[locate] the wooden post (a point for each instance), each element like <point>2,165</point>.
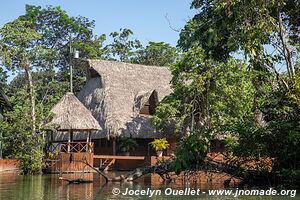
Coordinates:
<point>88,141</point>
<point>51,137</point>
<point>69,140</point>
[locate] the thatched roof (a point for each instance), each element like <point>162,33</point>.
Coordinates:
<point>115,93</point>
<point>70,114</point>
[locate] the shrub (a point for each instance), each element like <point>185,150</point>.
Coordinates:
<point>191,151</point>
<point>127,144</point>
<point>160,144</point>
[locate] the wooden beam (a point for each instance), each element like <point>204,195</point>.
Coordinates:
<point>109,164</point>
<point>69,141</point>
<point>119,157</point>
<point>51,136</point>
<point>88,141</point>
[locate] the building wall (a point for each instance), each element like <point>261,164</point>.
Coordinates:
<point>9,165</point>
<point>64,164</point>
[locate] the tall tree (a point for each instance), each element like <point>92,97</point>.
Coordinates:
<point>205,94</point>
<point>57,31</point>
<point>156,53</point>
<point>60,31</point>
<point>266,33</point>
<point>37,45</point>
<point>224,27</point>
<point>123,46</point>
<point>20,50</point>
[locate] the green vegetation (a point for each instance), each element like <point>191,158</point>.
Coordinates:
<point>156,53</point>
<point>191,152</point>
<point>160,144</point>
<point>127,144</point>
<point>216,93</point>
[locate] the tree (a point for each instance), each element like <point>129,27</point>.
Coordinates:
<point>224,27</point>
<point>3,78</point>
<point>37,44</point>
<point>214,92</point>
<point>205,94</point>
<point>123,46</point>
<point>265,32</point>
<point>19,50</point>
<point>156,53</point>
<point>18,141</point>
<point>60,31</point>
<point>56,31</point>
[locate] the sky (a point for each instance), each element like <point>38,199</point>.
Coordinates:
<point>149,20</point>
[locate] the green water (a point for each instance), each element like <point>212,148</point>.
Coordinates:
<point>46,187</point>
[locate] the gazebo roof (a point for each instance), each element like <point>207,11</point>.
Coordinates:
<point>71,114</point>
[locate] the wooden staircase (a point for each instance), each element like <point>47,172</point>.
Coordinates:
<point>106,163</point>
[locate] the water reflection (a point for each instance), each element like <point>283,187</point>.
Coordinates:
<point>16,187</point>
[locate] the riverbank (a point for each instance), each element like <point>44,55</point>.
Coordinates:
<point>9,165</point>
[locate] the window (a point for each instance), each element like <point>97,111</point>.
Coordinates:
<point>150,105</point>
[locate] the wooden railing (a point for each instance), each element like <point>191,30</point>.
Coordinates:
<point>77,147</point>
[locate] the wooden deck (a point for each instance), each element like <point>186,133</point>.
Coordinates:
<point>71,153</point>
<point>63,164</point>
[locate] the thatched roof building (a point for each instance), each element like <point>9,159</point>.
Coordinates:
<point>121,96</point>
<point>70,114</point>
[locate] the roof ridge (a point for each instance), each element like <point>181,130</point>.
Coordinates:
<point>91,61</point>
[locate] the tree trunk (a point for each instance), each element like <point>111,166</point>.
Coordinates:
<point>32,98</point>
<point>286,50</point>
<point>160,169</point>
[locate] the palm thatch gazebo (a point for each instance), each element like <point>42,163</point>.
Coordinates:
<point>71,116</point>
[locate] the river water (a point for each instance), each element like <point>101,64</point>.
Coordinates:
<point>47,187</point>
